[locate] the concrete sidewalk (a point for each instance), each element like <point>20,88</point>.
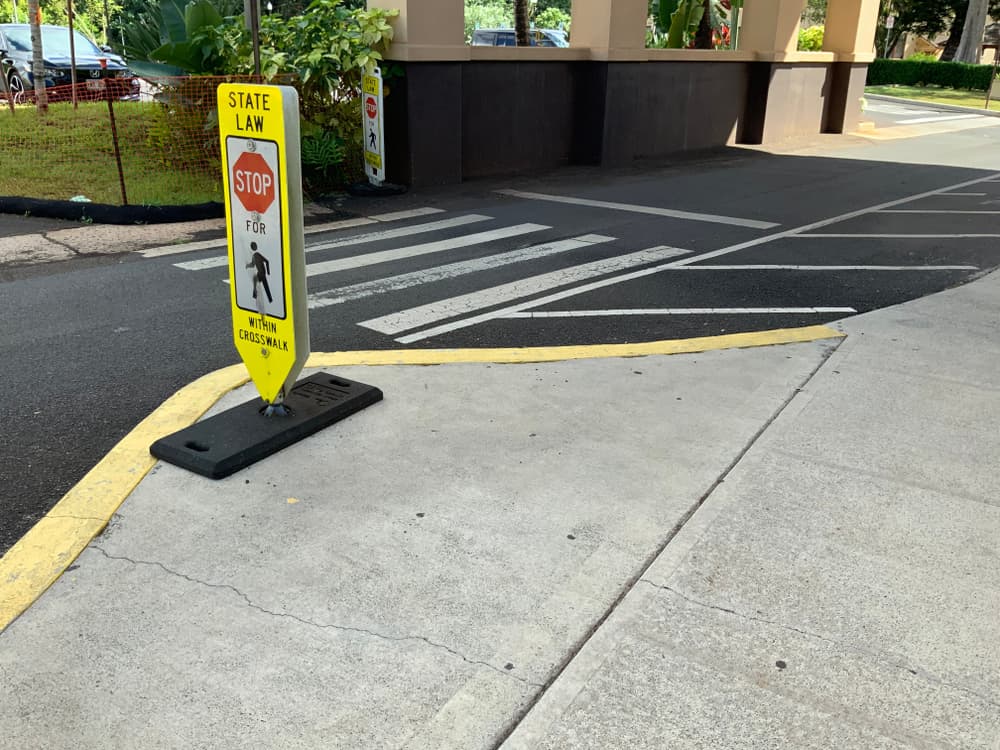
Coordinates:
<point>507,554</point>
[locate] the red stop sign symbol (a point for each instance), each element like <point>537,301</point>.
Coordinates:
<point>253,182</point>
<point>371,108</point>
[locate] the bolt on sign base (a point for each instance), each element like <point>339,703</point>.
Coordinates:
<point>236,438</point>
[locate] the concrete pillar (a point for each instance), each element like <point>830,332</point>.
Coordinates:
<point>771,27</point>
<point>423,110</point>
<point>850,26</point>
<point>850,32</point>
<point>427,29</point>
<point>612,29</point>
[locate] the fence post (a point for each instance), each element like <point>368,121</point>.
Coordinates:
<point>114,132</point>
<point>6,88</point>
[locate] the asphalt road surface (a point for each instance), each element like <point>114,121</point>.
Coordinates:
<point>741,241</point>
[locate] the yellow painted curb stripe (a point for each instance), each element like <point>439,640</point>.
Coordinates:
<point>561,353</point>
<point>36,561</point>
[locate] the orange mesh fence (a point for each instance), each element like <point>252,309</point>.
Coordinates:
<point>166,131</point>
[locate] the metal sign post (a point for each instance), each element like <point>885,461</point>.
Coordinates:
<point>890,23</point>
<point>262,186</point>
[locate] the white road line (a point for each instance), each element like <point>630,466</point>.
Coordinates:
<point>684,311</point>
<point>220,261</point>
<point>409,214</point>
<point>767,267</point>
<point>932,211</point>
<point>938,118</point>
<point>189,247</point>
<point>968,195</point>
<point>891,236</point>
<point>370,259</point>
<point>409,231</point>
<point>465,303</point>
<point>896,109</point>
<point>220,243</point>
<point>654,210</point>
<point>582,289</point>
<point>795,231</point>
<point>451,270</point>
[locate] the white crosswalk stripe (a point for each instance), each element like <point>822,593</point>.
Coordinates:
<point>450,271</point>
<point>221,261</point>
<point>464,304</point>
<point>413,251</point>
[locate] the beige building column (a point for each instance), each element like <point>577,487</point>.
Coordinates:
<point>427,29</point>
<point>611,29</point>
<point>771,27</point>
<point>850,27</point>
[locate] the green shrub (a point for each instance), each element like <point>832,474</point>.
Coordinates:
<point>923,57</point>
<point>811,39</point>
<point>953,75</point>
<point>486,15</point>
<point>552,18</point>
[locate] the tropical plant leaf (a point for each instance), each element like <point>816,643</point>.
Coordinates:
<point>684,22</point>
<point>183,55</point>
<point>172,28</point>
<point>322,151</point>
<point>665,9</point>
<point>146,69</point>
<point>199,15</point>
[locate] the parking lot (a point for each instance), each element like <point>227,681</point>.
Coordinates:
<point>554,267</point>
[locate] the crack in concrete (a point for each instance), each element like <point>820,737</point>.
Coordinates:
<point>45,236</point>
<point>896,662</point>
<point>347,628</point>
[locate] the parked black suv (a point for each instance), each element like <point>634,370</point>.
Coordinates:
<point>15,52</point>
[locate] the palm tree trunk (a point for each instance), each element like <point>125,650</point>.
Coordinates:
<point>703,37</point>
<point>972,33</point>
<point>37,65</point>
<point>521,23</point>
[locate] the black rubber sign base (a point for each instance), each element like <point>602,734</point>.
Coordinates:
<point>220,445</point>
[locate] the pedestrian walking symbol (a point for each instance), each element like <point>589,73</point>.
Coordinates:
<point>263,268</point>
<point>372,141</point>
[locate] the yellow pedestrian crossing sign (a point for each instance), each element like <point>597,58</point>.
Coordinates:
<point>373,125</point>
<point>261,167</point>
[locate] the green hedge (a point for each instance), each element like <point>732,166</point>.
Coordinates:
<point>953,75</point>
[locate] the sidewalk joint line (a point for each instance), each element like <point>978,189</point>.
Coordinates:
<point>638,577</point>
<point>329,626</point>
<point>894,660</point>
<point>825,462</point>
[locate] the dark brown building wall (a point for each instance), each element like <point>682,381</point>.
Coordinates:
<point>517,116</point>
<point>450,121</point>
<point>848,86</point>
<point>658,108</point>
<point>786,100</point>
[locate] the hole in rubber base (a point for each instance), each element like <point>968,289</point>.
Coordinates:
<point>195,446</point>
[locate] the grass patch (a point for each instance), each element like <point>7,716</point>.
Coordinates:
<point>936,95</point>
<point>70,152</point>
